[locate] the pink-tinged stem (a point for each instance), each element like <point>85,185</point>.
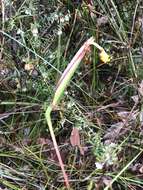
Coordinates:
<point>48,117</point>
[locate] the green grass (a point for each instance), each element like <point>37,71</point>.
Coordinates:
<point>91,103</point>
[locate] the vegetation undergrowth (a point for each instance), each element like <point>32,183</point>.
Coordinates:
<point>98,124</point>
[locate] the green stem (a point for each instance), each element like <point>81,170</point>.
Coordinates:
<point>49,122</point>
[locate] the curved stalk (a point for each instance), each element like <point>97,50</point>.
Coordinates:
<point>62,84</point>
<point>49,122</point>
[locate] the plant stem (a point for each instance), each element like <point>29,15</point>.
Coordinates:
<point>48,118</point>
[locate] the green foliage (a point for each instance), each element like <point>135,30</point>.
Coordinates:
<point>37,33</point>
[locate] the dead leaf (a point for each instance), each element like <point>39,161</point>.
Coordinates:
<point>125,115</point>
<point>102,20</point>
<point>135,99</point>
<point>75,139</point>
<point>116,131</point>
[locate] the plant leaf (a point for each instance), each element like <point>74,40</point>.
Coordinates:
<point>75,139</point>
